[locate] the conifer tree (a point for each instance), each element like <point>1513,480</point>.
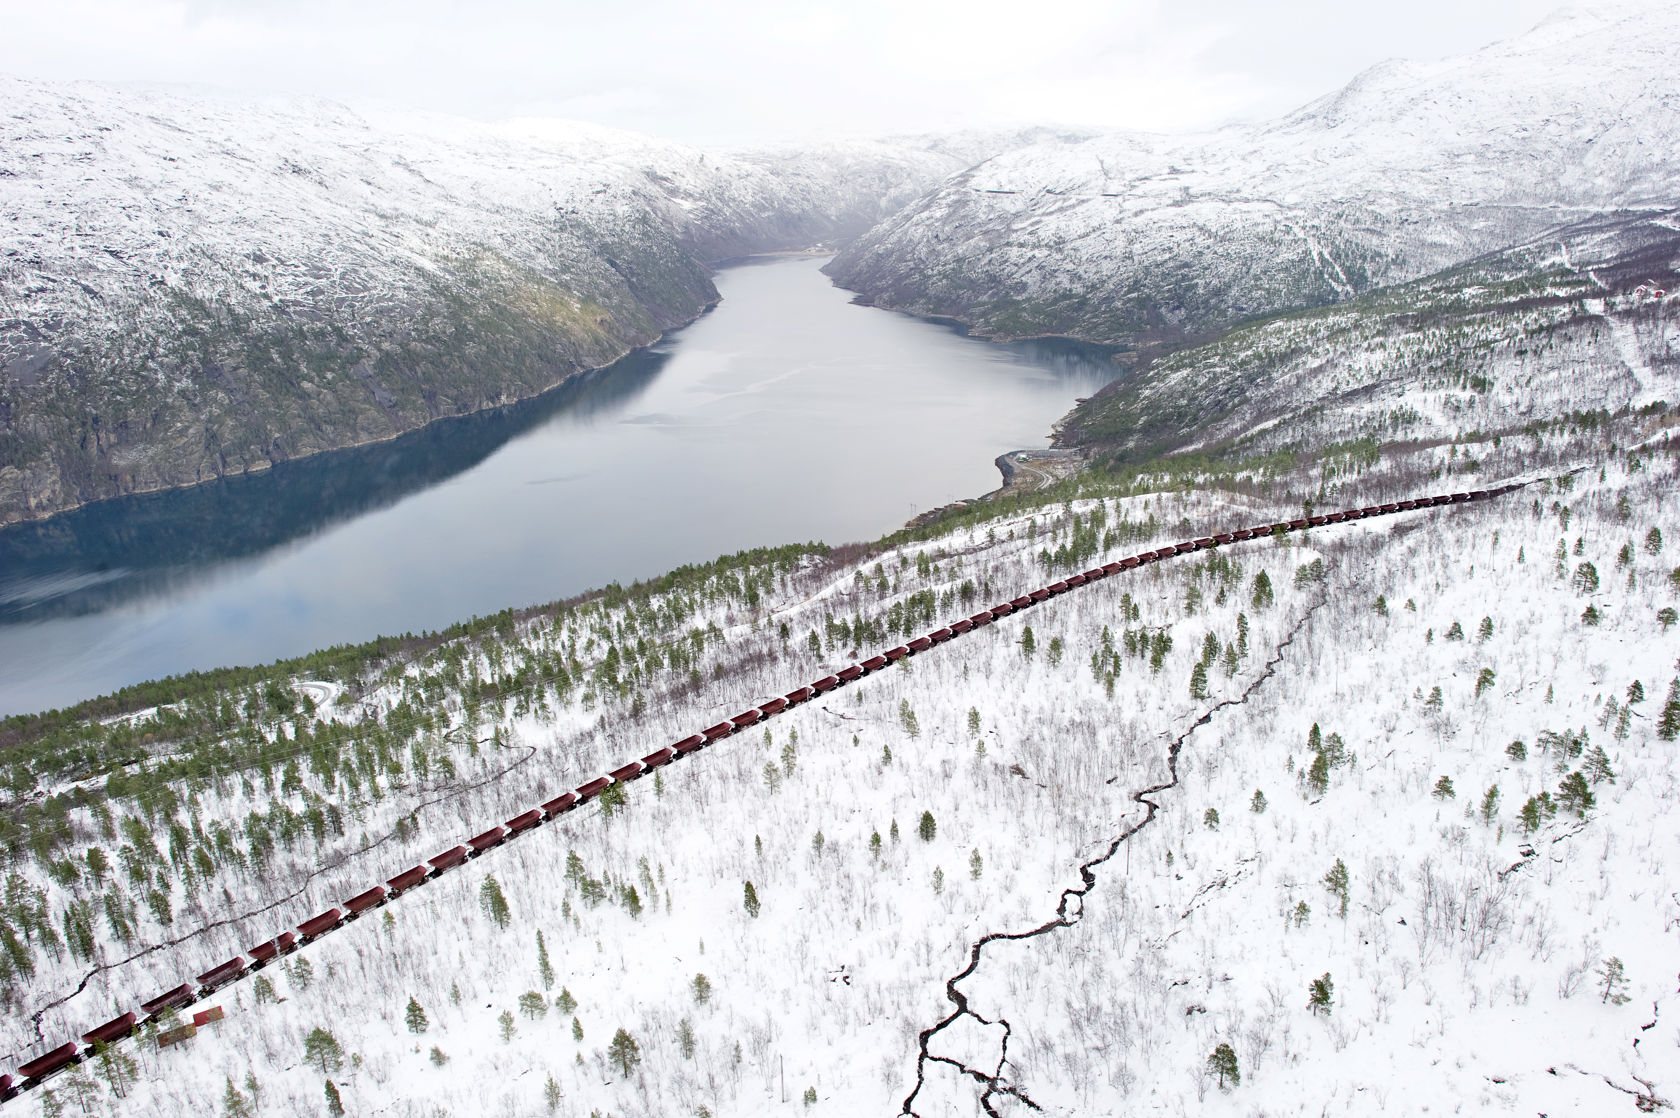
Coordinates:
<point>234,1104</point>
<point>335,1105</point>
<point>416,1017</point>
<point>552,1094</point>
<point>1576,795</point>
<point>685,1038</point>
<point>1223,1064</point>
<point>1336,881</point>
<point>494,904</point>
<point>1320,995</point>
<point>702,989</point>
<point>624,1051</point>
<point>322,1049</point>
<point>749,900</point>
<point>1198,680</point>
<point>505,1026</point>
<point>1612,982</point>
<point>1262,596</point>
<point>545,969</point>
<point>565,1003</point>
<point>927,828</point>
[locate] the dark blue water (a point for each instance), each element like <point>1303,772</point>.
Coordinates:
<point>786,414</point>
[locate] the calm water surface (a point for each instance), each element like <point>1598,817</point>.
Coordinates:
<point>786,414</point>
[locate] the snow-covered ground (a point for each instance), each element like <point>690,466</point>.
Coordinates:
<point>1191,935</point>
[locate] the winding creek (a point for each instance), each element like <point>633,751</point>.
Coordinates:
<point>787,413</point>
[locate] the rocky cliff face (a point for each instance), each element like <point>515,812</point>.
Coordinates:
<point>193,285</point>
<point>1135,239</point>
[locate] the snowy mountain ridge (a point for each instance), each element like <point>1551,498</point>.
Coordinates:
<point>193,284</point>
<point>1412,167</point>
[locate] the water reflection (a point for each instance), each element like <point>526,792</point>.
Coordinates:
<point>788,413</point>
<point>105,554</point>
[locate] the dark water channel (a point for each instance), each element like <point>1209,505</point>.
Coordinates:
<point>785,414</point>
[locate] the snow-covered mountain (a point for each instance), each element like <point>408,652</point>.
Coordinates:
<point>193,284</point>
<point>1412,167</point>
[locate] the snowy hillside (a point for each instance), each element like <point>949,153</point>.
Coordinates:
<point>192,285</point>
<point>1564,325</point>
<point>1464,967</point>
<point>1409,169</point>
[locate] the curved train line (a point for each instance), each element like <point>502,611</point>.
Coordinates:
<point>34,1072</point>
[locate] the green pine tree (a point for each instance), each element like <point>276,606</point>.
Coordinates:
<point>335,1105</point>
<point>624,1051</point>
<point>1223,1064</point>
<point>416,1017</point>
<point>750,900</point>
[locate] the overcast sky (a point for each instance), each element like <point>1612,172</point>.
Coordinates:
<point>745,70</point>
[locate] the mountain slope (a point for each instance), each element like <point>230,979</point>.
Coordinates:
<point>1134,239</point>
<point>193,285</point>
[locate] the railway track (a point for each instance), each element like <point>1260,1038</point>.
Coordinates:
<point>34,1072</point>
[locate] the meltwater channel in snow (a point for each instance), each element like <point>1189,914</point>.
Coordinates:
<point>785,414</point>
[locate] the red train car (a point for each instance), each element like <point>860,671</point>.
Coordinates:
<point>746,718</point>
<point>1022,602</point>
<point>42,1066</point>
<point>325,922</point>
<point>774,706</point>
<point>595,787</point>
<point>489,840</point>
<point>559,805</point>
<point>1184,548</point>
<point>1077,580</point>
<point>848,674</point>
<point>1096,573</point>
<point>1458,497</point>
<point>689,744</point>
<point>984,617</point>
<point>659,757</point>
<point>111,1031</point>
<point>896,654</point>
<point>448,860</point>
<point>826,683</point>
<point>1040,594</point>
<point>921,644</point>
<point>220,976</point>
<point>524,821</point>
<point>170,999</point>
<point>800,695</point>
<point>407,879</point>
<point>632,770</point>
<point>365,900</point>
<point>874,663</point>
<point>941,635</point>
<point>263,953</point>
<point>959,627</point>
